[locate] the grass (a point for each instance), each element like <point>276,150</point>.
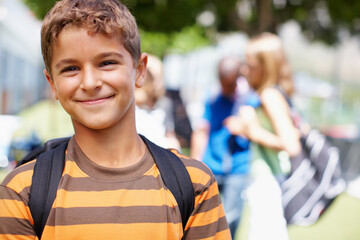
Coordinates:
<point>339,222</point>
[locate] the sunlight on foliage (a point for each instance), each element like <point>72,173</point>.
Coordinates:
<point>160,44</point>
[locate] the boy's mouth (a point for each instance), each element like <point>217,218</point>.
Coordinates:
<point>95,100</point>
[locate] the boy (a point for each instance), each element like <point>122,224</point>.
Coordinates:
<point>110,187</point>
<point>227,155</point>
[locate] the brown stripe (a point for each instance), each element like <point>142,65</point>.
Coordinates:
<point>102,173</point>
<point>207,231</point>
<point>25,194</point>
<point>209,204</point>
<point>119,215</point>
<point>16,171</point>
<point>87,184</point>
<point>189,162</point>
<point>23,226</point>
<point>7,193</point>
<point>199,189</point>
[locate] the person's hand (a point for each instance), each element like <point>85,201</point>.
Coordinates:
<point>235,125</point>
<point>248,115</point>
<point>243,122</point>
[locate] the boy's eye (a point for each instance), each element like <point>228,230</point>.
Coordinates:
<point>69,69</point>
<point>107,63</point>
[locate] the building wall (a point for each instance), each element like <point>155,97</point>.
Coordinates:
<point>21,79</point>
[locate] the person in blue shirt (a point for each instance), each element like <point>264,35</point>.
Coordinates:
<point>227,155</point>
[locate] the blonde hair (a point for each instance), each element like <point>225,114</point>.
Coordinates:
<point>153,88</point>
<point>108,17</point>
<point>268,51</point>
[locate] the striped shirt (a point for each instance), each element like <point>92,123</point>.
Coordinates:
<point>95,202</point>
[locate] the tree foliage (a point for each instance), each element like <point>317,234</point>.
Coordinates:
<point>319,19</point>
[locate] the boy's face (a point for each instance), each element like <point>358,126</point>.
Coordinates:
<point>93,77</point>
<point>228,83</point>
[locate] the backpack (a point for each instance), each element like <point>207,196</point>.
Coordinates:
<point>315,179</point>
<point>314,182</point>
<point>49,166</point>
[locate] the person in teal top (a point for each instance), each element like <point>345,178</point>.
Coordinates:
<point>271,129</point>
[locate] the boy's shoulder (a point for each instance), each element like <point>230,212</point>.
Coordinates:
<point>200,173</point>
<point>20,178</point>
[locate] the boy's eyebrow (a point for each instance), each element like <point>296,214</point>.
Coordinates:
<point>107,54</point>
<point>102,55</point>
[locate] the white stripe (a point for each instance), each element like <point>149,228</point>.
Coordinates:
<point>298,186</point>
<point>323,186</point>
<point>317,147</point>
<point>303,167</point>
<point>313,216</point>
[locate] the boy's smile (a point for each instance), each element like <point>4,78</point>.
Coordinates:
<point>94,76</point>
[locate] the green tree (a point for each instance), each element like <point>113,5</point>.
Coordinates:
<point>319,19</point>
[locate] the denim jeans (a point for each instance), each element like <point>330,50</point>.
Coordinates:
<point>232,189</point>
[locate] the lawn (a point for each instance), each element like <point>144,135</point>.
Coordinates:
<point>339,222</point>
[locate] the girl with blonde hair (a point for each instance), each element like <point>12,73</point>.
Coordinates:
<point>272,132</point>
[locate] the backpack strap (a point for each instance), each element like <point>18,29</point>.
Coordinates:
<point>176,177</point>
<point>53,143</point>
<point>48,170</point>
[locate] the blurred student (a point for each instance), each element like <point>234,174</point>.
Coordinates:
<point>226,155</point>
<point>154,113</point>
<point>272,132</point>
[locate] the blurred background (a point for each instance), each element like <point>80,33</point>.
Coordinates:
<point>320,37</point>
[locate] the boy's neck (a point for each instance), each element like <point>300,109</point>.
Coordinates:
<point>115,148</point>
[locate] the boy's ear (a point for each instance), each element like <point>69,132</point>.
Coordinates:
<point>141,70</point>
<point>51,83</point>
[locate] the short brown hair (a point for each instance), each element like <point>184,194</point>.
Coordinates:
<point>108,17</point>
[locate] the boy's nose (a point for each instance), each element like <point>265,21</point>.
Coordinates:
<point>90,80</point>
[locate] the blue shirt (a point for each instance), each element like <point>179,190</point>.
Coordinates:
<point>226,153</point>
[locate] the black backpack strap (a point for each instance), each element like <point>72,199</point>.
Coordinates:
<point>48,170</point>
<point>31,155</point>
<point>176,177</point>
<point>53,143</point>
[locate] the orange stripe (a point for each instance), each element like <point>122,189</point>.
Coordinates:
<point>73,170</point>
<point>21,181</point>
<point>205,218</point>
<point>114,231</point>
<point>153,171</point>
<point>78,173</point>
<point>114,198</point>
<point>14,209</point>
<point>16,237</point>
<point>212,191</point>
<point>198,176</point>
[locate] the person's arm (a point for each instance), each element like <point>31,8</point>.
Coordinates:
<point>200,134</point>
<point>15,217</point>
<point>286,136</point>
<point>199,141</point>
<point>278,111</point>
<point>208,219</point>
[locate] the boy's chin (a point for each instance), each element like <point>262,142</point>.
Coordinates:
<point>93,124</point>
